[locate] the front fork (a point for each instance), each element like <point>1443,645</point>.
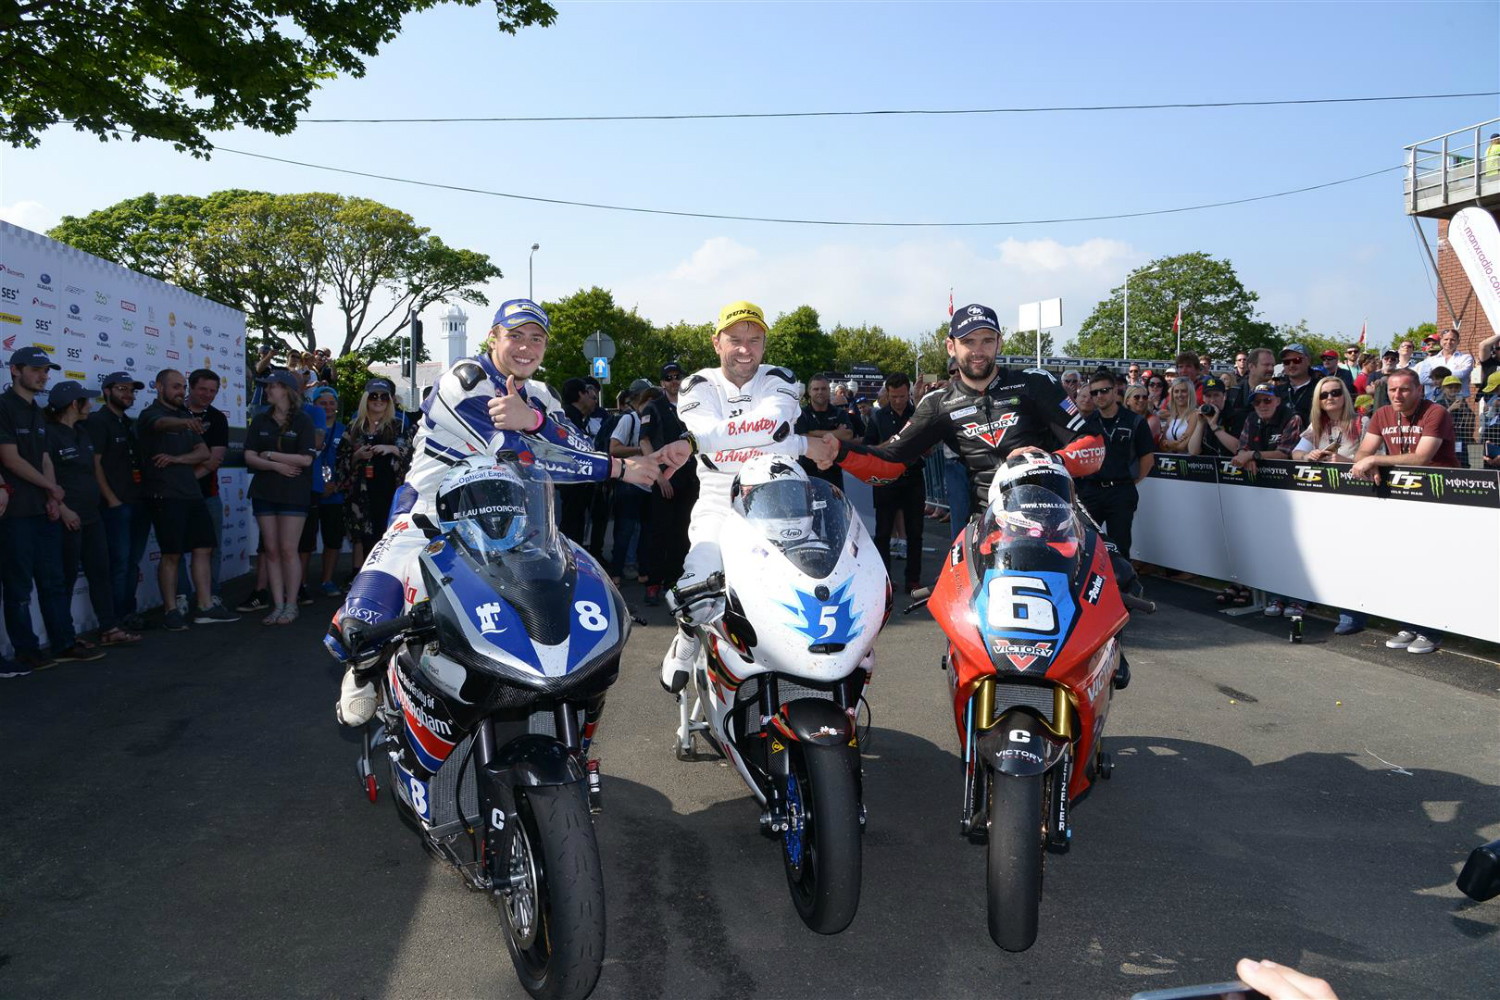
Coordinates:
<point>979,772</point>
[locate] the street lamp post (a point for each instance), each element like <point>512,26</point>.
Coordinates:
<point>530,294</point>
<point>1128,276</point>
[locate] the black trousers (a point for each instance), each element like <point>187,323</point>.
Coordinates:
<point>599,510</point>
<point>574,501</point>
<point>89,547</point>
<point>907,495</point>
<point>668,531</point>
<point>1113,506</point>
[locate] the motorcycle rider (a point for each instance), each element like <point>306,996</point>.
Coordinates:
<point>986,415</point>
<point>484,404</point>
<point>732,414</point>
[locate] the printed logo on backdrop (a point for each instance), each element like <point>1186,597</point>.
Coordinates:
<point>1466,487</point>
<point>1188,468</point>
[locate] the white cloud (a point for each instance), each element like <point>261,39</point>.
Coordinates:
<point>32,215</point>
<point>901,286</point>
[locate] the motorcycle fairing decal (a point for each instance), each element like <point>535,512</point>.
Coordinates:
<point>414,790</point>
<point>492,620</point>
<point>1024,615</point>
<point>830,621</point>
<point>595,623</point>
<point>427,746</point>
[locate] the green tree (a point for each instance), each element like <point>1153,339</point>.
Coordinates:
<point>869,345</point>
<point>797,341</point>
<point>1415,334</point>
<point>350,373</point>
<point>1025,343</point>
<point>1218,312</point>
<point>177,71</point>
<point>593,309</point>
<point>932,351</point>
<point>689,344</point>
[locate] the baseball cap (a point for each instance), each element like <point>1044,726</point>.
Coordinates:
<point>385,384</point>
<point>518,312</point>
<point>281,377</point>
<point>1453,380</point>
<point>1295,349</point>
<point>672,366</point>
<point>1493,383</point>
<point>67,392</point>
<point>735,312</point>
<point>640,385</point>
<point>121,378</point>
<point>1391,354</point>
<point>971,318</point>
<point>1214,384</point>
<point>1330,354</point>
<point>33,357</point>
<point>1264,389</point>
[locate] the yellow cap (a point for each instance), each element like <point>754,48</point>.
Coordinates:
<point>737,311</point>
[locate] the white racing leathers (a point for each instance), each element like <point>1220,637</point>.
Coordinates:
<point>730,425</point>
<point>456,424</point>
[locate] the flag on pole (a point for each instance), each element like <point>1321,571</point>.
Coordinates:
<point>950,303</point>
<point>1362,334</point>
<point>1177,323</point>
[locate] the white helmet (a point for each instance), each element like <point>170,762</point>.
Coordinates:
<point>773,491</point>
<point>1031,469</point>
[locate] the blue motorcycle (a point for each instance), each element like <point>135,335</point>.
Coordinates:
<point>493,682</point>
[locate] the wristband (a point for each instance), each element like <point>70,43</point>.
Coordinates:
<point>541,418</point>
<point>692,441</point>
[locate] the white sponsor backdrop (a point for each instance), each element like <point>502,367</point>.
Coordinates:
<point>94,317</point>
<point>1279,541</point>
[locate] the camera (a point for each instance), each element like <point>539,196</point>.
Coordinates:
<point>1208,409</point>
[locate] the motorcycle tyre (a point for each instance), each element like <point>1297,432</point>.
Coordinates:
<point>570,896</point>
<point>826,891</point>
<point>1013,875</point>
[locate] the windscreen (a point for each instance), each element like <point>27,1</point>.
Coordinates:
<point>807,520</point>
<point>503,515</point>
<point>1030,528</point>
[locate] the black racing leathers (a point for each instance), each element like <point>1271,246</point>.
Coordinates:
<point>1016,410</point>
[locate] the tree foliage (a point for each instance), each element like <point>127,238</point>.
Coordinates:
<point>869,345</point>
<point>638,350</point>
<point>279,258</point>
<point>1415,334</point>
<point>178,71</point>
<point>1218,312</point>
<point>797,341</point>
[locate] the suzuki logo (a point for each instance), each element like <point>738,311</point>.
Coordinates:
<point>487,614</point>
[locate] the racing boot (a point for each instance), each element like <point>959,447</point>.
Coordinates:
<point>356,699</point>
<point>677,665</point>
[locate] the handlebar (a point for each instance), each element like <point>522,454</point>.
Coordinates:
<point>372,638</point>
<point>1133,603</point>
<point>921,594</point>
<point>710,587</point>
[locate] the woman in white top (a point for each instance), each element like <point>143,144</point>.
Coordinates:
<point>1335,430</point>
<point>1180,417</point>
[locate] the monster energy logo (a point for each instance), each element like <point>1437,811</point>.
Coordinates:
<point>1435,483</point>
<point>1333,478</point>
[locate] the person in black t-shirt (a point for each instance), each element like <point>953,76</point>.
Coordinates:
<point>1206,439</point>
<point>203,389</point>
<point>671,499</point>
<point>821,417</point>
<point>84,541</point>
<point>30,536</point>
<point>127,519</point>
<point>1110,495</point>
<point>906,496</point>
<point>280,447</point>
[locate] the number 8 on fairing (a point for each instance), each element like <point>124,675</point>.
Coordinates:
<point>591,616</point>
<point>1021,602</point>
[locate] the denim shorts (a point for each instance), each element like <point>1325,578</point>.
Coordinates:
<point>270,508</point>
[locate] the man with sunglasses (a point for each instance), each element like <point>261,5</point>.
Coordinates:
<point>481,405</point>
<point>1296,365</point>
<point>1110,495</point>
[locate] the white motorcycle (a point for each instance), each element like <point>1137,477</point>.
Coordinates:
<point>780,675</point>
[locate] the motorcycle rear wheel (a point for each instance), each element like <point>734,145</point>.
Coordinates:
<point>559,951</point>
<point>821,848</point>
<point>1014,859</point>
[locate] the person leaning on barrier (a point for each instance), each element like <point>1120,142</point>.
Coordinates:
<point>1270,431</point>
<point>1414,431</point>
<point>1110,495</point>
<point>1181,418</point>
<point>1333,436</point>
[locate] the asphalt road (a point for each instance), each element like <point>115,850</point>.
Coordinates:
<point>182,820</point>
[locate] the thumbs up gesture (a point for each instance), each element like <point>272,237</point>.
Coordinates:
<point>511,412</point>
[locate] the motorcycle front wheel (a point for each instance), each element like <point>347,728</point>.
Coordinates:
<point>820,848</point>
<point>553,914</point>
<point>1014,860</point>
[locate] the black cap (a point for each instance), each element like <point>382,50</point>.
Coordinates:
<point>63,393</point>
<point>281,377</point>
<point>1214,384</point>
<point>1391,354</point>
<point>970,318</point>
<point>378,384</point>
<point>33,357</point>
<point>121,378</point>
<point>669,367</point>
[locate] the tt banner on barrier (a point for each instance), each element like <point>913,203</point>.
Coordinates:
<point>1302,530</point>
<point>94,317</point>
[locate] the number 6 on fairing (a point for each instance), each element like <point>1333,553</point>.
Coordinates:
<point>1021,602</point>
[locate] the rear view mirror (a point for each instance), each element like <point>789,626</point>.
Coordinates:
<point>1480,879</point>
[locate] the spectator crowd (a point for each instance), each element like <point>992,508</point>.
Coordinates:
<point>85,484</point>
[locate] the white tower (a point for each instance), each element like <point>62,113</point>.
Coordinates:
<point>455,332</point>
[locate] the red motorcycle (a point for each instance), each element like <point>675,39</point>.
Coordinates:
<point>1032,609</point>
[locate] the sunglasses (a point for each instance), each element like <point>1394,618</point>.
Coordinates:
<point>1331,394</point>
<point>1294,360</point>
<point>380,397</point>
<point>671,378</point>
<point>1264,399</point>
<point>1101,392</point>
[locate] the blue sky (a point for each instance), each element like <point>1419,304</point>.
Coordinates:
<point>1332,257</point>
